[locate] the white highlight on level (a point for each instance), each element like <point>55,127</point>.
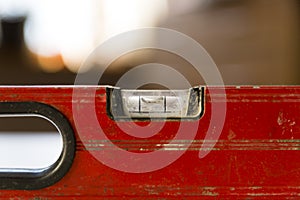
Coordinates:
<point>27,151</point>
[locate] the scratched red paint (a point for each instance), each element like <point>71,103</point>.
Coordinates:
<point>256,156</point>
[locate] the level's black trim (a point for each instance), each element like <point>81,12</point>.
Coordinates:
<point>32,181</point>
<point>114,109</point>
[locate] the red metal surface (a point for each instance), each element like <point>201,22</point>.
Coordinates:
<point>256,156</point>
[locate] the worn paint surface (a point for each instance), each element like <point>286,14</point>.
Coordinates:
<point>256,156</point>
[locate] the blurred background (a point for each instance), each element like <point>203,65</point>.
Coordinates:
<point>251,41</point>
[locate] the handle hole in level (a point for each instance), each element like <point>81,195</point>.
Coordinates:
<point>37,145</point>
<point>28,144</point>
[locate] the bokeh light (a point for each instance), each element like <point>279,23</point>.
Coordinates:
<point>72,29</point>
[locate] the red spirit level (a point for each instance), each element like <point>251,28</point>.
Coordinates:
<point>256,155</point>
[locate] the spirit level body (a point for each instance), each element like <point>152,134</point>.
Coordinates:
<point>256,156</point>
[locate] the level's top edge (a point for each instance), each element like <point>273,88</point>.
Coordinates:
<point>55,86</point>
<point>110,86</point>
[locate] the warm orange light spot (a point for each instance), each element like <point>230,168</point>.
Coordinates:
<point>50,64</point>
